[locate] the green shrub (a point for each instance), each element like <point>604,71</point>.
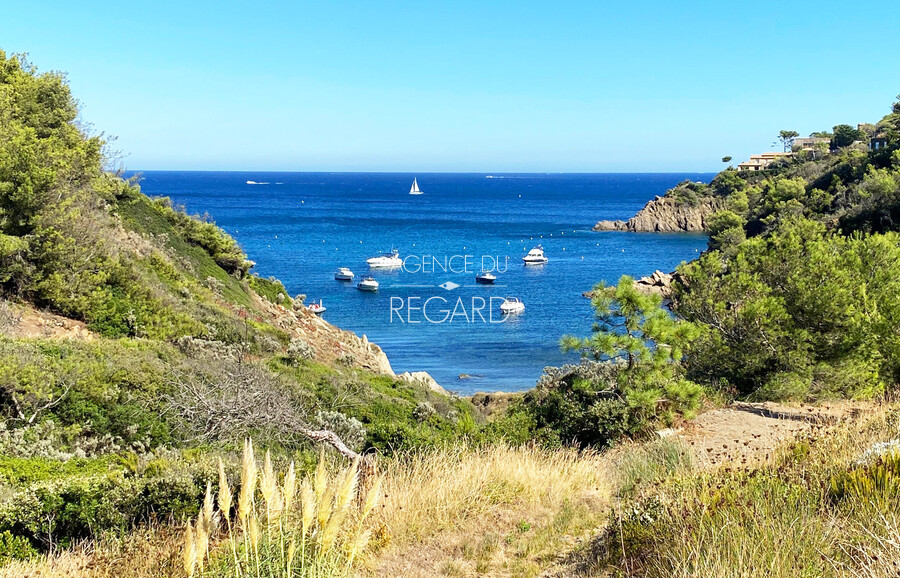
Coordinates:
<point>271,289</point>
<point>18,472</point>
<point>688,192</point>
<point>59,510</point>
<point>14,547</point>
<point>874,485</point>
<point>99,390</point>
<point>801,313</point>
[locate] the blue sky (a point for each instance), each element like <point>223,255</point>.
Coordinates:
<point>460,86</point>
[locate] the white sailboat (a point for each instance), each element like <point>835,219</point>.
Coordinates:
<point>414,189</point>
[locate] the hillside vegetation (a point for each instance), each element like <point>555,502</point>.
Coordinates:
<point>794,300</point>
<point>186,352</point>
<point>797,294</point>
<point>167,412</point>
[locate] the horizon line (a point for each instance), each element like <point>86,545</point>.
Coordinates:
<point>487,173</point>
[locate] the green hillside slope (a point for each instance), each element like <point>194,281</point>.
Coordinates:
<point>185,352</point>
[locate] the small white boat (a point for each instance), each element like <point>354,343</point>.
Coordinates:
<point>535,256</point>
<point>343,274</point>
<point>317,308</point>
<point>485,278</point>
<point>367,283</point>
<point>390,260</point>
<point>512,305</point>
<point>414,189</point>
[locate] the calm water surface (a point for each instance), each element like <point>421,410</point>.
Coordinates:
<point>299,227</point>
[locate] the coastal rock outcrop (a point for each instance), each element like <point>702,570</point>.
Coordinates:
<point>666,214</point>
<point>489,404</point>
<point>424,379</point>
<point>330,343</point>
<point>658,283</point>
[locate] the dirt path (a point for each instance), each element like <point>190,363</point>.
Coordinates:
<point>24,321</point>
<point>743,433</point>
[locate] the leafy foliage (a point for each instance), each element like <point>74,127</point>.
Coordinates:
<point>634,329</point>
<point>874,486</point>
<point>795,295</point>
<point>799,314</point>
<point>844,135</point>
<point>688,192</point>
<point>635,381</point>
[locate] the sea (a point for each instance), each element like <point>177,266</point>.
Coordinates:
<point>430,315</point>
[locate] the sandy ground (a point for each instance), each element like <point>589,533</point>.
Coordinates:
<point>24,321</point>
<point>744,433</point>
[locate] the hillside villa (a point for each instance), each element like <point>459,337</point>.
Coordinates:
<point>760,162</point>
<point>811,142</point>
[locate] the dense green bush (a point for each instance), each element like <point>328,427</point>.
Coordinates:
<point>578,412</point>
<point>385,406</point>
<point>271,289</point>
<point>688,192</point>
<point>65,507</point>
<point>102,394</point>
<point>801,313</point>
<point>14,547</point>
<point>873,484</point>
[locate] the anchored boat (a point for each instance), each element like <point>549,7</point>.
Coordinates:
<point>367,283</point>
<point>390,260</point>
<point>485,278</point>
<point>535,256</point>
<point>512,305</point>
<point>343,274</point>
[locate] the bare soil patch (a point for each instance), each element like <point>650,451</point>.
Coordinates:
<point>745,433</point>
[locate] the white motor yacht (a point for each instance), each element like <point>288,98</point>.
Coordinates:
<point>390,260</point>
<point>367,283</point>
<point>343,274</point>
<point>535,256</point>
<point>317,308</point>
<point>512,305</point>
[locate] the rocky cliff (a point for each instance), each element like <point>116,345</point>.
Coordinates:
<point>666,214</point>
<point>330,344</point>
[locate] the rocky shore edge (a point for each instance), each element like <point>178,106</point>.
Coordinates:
<point>667,215</point>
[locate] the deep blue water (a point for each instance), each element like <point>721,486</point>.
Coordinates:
<point>301,226</point>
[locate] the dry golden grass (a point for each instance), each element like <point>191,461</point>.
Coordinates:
<point>496,510</point>
<point>148,552</point>
<point>776,518</point>
<point>492,511</point>
<point>314,528</point>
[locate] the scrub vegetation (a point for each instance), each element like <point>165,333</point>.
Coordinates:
<point>125,445</point>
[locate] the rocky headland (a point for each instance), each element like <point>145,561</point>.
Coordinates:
<point>667,215</point>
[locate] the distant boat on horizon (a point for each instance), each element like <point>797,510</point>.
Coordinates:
<point>414,189</point>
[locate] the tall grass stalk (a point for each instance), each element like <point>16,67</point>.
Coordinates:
<point>326,520</point>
